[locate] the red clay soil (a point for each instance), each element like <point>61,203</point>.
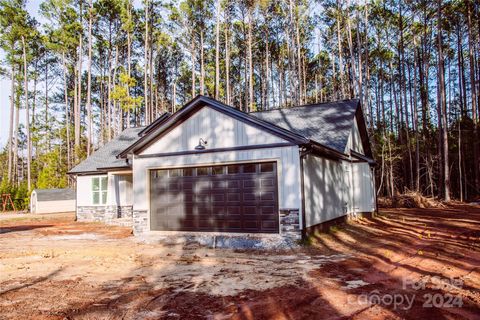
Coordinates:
<point>401,264</point>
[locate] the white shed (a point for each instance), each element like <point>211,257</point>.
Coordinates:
<point>52,200</point>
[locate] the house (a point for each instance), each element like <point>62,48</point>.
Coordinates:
<point>52,200</point>
<point>212,168</point>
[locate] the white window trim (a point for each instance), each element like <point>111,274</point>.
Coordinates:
<point>100,191</point>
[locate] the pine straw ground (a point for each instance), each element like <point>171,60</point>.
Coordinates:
<point>60,269</point>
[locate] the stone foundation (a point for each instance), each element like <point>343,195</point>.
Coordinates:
<point>107,214</point>
<point>125,211</point>
<point>140,222</point>
<point>290,223</point>
<point>90,213</point>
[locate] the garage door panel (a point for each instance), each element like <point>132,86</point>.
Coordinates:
<point>233,198</point>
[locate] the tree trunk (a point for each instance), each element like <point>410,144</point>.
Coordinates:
<point>89,81</point>
<point>27,115</point>
<point>442,105</point>
<point>202,65</point>
<point>145,58</point>
<point>227,67</point>
<point>67,119</point>
<point>193,56</point>
<point>217,53</point>
<point>250,106</point>
<point>474,97</point>
<point>10,130</point>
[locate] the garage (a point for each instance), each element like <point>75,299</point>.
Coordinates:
<point>240,197</point>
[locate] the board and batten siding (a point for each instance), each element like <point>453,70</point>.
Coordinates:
<point>326,190</point>
<point>354,140</point>
<point>336,188</point>
<point>288,170</point>
<point>119,192</point>
<point>84,190</point>
<point>363,187</point>
<point>218,129</point>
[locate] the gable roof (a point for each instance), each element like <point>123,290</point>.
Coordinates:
<point>55,194</point>
<point>328,124</point>
<point>106,156</point>
<point>325,126</point>
<point>196,104</point>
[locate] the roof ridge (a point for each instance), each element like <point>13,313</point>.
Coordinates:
<point>305,105</point>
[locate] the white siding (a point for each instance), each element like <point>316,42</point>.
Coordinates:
<point>363,189</point>
<point>84,190</point>
<point>55,206</point>
<point>326,192</point>
<point>336,188</point>
<point>288,167</point>
<point>354,140</point>
<point>218,129</point>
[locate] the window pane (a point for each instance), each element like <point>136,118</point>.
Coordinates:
<point>188,172</point>
<point>95,184</point>
<point>266,167</point>
<point>160,173</point>
<point>104,197</point>
<point>233,169</point>
<point>175,172</point>
<point>96,197</point>
<point>202,171</point>
<point>217,170</point>
<point>104,183</point>
<point>249,168</point>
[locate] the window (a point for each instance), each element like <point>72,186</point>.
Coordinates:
<point>234,168</point>
<point>99,190</point>
<point>266,167</point>
<point>188,172</point>
<point>217,170</point>
<point>249,168</point>
<point>203,171</point>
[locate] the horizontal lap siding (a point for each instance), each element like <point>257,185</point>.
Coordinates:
<point>55,206</point>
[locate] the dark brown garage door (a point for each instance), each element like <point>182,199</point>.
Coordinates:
<point>229,198</point>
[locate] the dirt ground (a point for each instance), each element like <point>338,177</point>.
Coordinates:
<point>401,264</point>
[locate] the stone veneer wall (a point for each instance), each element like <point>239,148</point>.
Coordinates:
<point>125,211</point>
<point>140,221</point>
<point>103,213</point>
<point>290,223</point>
<point>90,213</point>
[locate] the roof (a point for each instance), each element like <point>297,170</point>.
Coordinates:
<point>106,156</point>
<point>201,101</point>
<point>324,125</point>
<point>328,124</point>
<point>55,194</point>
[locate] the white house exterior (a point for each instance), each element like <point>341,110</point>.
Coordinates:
<point>52,201</point>
<point>212,168</point>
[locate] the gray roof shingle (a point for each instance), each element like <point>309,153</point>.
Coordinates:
<point>55,194</point>
<point>328,124</point>
<point>106,156</point>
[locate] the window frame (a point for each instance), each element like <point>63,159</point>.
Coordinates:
<point>101,192</point>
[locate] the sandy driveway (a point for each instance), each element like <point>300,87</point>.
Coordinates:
<point>54,268</point>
